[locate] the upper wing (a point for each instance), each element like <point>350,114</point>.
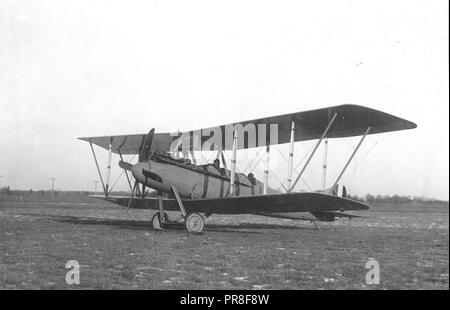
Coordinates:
<point>131,144</point>
<point>351,120</point>
<point>272,203</point>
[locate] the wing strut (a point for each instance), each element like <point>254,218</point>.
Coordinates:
<point>325,159</point>
<point>108,169</point>
<point>233,166</point>
<point>194,160</point>
<point>324,165</point>
<point>266,169</point>
<point>351,157</point>
<point>314,150</point>
<point>223,160</point>
<point>98,169</point>
<point>221,157</point>
<point>291,155</point>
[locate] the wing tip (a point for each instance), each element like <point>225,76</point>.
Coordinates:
<point>413,125</point>
<point>365,207</point>
<point>405,124</point>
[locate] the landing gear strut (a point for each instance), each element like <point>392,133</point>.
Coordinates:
<point>315,225</point>
<point>194,222</point>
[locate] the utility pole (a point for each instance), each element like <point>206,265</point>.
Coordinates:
<point>53,188</point>
<point>95,187</point>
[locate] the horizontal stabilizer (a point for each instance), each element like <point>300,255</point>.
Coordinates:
<point>342,214</point>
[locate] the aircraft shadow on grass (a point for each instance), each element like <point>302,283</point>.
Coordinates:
<point>176,227</point>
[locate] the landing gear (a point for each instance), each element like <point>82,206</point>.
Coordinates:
<point>315,225</point>
<point>156,220</point>
<point>194,222</point>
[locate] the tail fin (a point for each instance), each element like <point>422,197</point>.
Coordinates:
<point>332,190</point>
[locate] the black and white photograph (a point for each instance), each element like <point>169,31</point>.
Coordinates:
<point>225,151</point>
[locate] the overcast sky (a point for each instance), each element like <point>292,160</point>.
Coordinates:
<point>86,68</point>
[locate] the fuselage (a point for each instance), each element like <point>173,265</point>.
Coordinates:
<point>192,181</point>
<point>201,181</point>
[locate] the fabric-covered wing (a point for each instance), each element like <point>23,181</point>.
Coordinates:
<point>351,120</point>
<point>272,203</point>
<point>131,144</point>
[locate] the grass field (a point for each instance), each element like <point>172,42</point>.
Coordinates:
<point>118,249</point>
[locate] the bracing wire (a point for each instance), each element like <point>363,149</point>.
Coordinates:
<point>365,155</point>
<point>253,159</point>
<point>295,170</point>
<point>118,178</point>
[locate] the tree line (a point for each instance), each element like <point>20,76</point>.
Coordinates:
<point>368,198</point>
<point>395,199</point>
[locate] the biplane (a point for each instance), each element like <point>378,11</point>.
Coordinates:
<point>167,165</point>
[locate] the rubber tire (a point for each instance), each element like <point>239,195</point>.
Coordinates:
<point>194,223</point>
<point>155,221</point>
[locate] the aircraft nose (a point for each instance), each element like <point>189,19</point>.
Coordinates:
<point>136,170</point>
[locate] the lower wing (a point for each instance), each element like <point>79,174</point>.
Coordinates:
<point>275,203</point>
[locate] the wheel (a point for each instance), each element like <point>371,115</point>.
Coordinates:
<point>194,223</point>
<point>156,222</point>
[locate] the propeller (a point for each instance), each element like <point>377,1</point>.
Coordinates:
<point>125,166</point>
<point>144,155</point>
<point>145,149</point>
